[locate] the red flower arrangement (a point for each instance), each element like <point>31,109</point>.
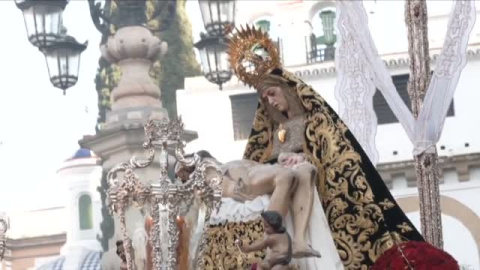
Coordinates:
<point>415,256</point>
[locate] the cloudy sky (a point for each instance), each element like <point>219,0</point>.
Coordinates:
<point>39,127</point>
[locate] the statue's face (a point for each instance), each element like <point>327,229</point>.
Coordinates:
<point>275,97</point>
<point>267,228</point>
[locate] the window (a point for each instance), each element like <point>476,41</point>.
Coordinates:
<point>85,212</point>
<point>243,112</point>
<point>383,111</point>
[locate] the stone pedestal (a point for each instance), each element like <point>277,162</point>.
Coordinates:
<point>134,100</point>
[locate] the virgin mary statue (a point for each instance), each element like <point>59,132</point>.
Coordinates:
<point>363,218</point>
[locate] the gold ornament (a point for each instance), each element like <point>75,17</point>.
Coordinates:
<point>252,54</point>
<point>282,134</point>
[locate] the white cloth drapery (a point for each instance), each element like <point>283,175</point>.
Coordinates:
<point>356,42</point>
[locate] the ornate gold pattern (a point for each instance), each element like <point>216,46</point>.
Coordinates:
<point>387,204</point>
<point>221,251</point>
<point>404,227</point>
<point>252,54</point>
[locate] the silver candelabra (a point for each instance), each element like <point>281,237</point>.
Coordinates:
<point>4,226</point>
<point>167,199</point>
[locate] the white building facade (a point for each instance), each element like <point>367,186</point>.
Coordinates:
<point>223,118</point>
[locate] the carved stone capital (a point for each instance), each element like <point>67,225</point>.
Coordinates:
<point>133,49</point>
<point>133,42</point>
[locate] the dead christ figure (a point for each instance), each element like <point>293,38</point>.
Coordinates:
<point>276,240</point>
<point>290,184</point>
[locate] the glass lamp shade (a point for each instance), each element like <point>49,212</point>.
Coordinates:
<point>214,58</point>
<point>43,20</point>
<point>218,15</point>
<point>328,20</point>
<point>63,62</point>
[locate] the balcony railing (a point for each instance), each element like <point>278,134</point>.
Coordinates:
<point>316,52</point>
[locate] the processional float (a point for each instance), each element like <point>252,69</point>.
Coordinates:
<point>167,200</point>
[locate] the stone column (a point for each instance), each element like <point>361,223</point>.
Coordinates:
<point>136,97</point>
<point>134,100</point>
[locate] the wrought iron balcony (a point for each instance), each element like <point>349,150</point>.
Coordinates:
<point>321,55</point>
<point>317,52</point>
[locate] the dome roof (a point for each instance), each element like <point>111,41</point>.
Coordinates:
<point>83,153</point>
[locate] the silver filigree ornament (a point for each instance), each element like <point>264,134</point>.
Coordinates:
<point>167,199</point>
<point>4,226</point>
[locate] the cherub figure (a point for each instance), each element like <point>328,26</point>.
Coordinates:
<point>121,254</point>
<point>276,239</point>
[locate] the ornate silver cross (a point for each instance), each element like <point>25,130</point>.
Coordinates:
<point>166,199</point>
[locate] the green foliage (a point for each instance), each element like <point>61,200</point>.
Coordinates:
<point>179,61</point>
<point>107,78</point>
<point>107,226</point>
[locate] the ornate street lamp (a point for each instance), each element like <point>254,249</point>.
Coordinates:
<point>217,15</point>
<point>214,58</point>
<point>4,225</point>
<point>43,20</point>
<point>264,25</point>
<point>218,19</point>
<point>63,61</point>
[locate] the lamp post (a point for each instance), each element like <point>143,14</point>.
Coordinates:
<point>4,226</point>
<point>44,24</point>
<point>328,20</point>
<point>45,30</point>
<point>218,18</point>
<point>214,58</point>
<point>217,15</point>
<point>329,38</point>
<point>63,61</point>
<point>43,20</point>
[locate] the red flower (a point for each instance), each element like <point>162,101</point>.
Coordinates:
<point>417,255</point>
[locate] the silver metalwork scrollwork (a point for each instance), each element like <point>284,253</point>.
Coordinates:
<point>166,198</point>
<point>4,226</point>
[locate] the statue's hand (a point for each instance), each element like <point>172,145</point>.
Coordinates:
<point>239,244</point>
<point>290,160</point>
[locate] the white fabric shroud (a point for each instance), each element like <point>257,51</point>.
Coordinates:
<point>354,36</point>
<point>354,89</point>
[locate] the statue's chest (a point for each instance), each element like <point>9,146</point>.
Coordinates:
<point>289,136</point>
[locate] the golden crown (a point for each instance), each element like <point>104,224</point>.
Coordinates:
<point>252,54</point>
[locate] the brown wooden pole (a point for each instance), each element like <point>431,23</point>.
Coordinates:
<point>426,169</point>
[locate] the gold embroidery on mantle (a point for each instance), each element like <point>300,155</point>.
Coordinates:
<point>387,204</point>
<point>221,251</point>
<point>404,227</point>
